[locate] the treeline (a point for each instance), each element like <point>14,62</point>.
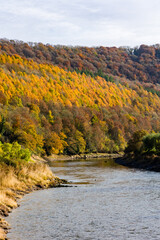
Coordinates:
<point>50,110</point>
<point>139,63</point>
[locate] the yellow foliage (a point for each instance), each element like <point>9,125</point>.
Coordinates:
<point>48,82</point>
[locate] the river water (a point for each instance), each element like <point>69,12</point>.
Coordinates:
<point>106,202</point>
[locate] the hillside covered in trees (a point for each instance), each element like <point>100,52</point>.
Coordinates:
<point>139,63</point>
<point>70,100</point>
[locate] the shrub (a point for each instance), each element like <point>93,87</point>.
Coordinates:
<point>151,143</point>
<point>13,154</point>
<point>135,144</point>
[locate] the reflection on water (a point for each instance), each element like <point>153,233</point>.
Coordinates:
<point>106,202</point>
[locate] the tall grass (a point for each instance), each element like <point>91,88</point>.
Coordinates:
<point>17,180</point>
<point>22,178</point>
<point>2,234</point>
<point>19,175</point>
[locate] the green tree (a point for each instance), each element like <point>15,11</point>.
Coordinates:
<point>13,154</point>
<point>135,144</point>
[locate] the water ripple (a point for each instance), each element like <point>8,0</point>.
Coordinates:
<point>110,203</point>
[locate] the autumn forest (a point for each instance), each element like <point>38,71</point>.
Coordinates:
<point>73,100</point>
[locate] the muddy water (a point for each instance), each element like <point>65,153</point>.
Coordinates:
<point>106,202</point>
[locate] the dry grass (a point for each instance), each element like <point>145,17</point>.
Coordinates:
<point>2,234</point>
<point>36,173</point>
<point>7,200</point>
<point>21,178</point>
<point>8,179</point>
<point>4,226</point>
<point>15,182</point>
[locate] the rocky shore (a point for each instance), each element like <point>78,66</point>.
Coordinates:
<point>55,157</point>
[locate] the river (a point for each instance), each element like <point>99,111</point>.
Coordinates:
<point>106,202</point>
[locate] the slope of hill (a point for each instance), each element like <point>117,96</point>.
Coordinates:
<point>139,63</point>
<point>51,110</point>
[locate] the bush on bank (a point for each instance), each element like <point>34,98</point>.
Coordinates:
<point>143,143</point>
<point>13,154</point>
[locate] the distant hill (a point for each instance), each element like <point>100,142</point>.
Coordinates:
<point>139,63</point>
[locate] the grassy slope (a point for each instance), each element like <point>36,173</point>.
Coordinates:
<point>15,182</point>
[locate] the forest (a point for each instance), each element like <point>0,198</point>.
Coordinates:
<point>140,63</point>
<point>73,100</point>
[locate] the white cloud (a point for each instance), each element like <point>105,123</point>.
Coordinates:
<point>81,22</point>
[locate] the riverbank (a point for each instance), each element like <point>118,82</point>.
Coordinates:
<point>109,200</point>
<point>145,162</point>
<point>55,157</point>
<point>15,182</point>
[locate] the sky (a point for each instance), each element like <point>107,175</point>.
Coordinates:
<point>81,22</point>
